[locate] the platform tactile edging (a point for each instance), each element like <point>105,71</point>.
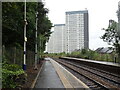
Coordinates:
<point>62,78</point>
<point>76,83</point>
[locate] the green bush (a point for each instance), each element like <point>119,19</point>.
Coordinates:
<point>87,54</point>
<point>12,67</point>
<point>12,76</point>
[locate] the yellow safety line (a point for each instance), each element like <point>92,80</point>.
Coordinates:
<point>62,77</point>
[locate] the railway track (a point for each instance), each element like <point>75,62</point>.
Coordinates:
<point>109,76</point>
<point>101,79</point>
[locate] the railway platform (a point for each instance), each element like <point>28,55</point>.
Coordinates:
<point>53,75</point>
<point>106,66</point>
<point>94,61</point>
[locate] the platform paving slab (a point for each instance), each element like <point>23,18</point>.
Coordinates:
<point>48,77</point>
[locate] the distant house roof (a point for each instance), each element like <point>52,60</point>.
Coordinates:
<point>98,49</point>
<point>103,50</point>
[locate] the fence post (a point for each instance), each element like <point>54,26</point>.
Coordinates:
<point>3,50</point>
<point>115,57</point>
<point>14,55</point>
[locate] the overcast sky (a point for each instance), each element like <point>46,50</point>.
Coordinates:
<point>100,12</point>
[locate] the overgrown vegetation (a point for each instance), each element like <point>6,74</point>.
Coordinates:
<point>86,54</point>
<point>111,36</point>
<point>13,75</point>
<point>13,24</point>
<point>55,55</point>
<point>13,36</point>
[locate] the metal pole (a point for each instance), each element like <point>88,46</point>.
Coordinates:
<point>25,38</point>
<point>36,44</point>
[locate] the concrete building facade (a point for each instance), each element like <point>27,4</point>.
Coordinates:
<point>118,18</point>
<point>71,36</point>
<point>59,38</point>
<point>56,41</point>
<point>49,44</point>
<point>119,11</point>
<point>77,30</point>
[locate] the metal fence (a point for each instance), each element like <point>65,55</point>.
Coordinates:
<point>15,56</point>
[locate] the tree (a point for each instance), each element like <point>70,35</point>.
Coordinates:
<point>44,27</point>
<point>13,23</point>
<point>111,36</point>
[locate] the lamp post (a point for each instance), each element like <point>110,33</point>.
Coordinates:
<point>36,44</point>
<point>25,38</point>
